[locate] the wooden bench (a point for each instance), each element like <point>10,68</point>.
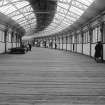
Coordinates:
<point>17,50</point>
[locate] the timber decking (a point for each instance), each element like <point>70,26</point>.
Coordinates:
<point>51,77</point>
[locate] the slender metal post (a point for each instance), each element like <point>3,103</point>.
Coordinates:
<point>5,40</point>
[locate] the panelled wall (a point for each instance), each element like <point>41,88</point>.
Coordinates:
<point>8,39</point>
<point>84,39</point>
<point>2,42</point>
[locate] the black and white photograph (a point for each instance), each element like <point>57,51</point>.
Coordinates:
<point>52,52</point>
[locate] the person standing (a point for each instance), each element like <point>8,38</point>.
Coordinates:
<point>30,46</point>
<point>55,46</point>
<point>99,51</point>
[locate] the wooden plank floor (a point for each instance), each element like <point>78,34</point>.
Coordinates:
<point>51,77</point>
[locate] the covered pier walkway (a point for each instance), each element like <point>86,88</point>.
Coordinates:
<point>51,77</point>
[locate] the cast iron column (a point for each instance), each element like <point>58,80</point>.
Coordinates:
<point>5,39</point>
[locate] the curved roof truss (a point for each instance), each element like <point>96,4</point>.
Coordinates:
<point>20,11</point>
<point>68,12</point>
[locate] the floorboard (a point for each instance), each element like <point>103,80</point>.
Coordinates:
<point>51,77</point>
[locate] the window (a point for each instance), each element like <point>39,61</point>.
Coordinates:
<point>86,37</point>
<point>9,37</point>
<point>14,38</point>
<point>75,39</point>
<point>64,40</point>
<point>99,34</point>
<point>71,40</point>
<point>1,36</point>
<point>79,39</point>
<point>96,35</point>
<point>68,40</point>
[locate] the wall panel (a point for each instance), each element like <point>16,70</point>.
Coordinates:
<point>86,49</point>
<point>79,48</point>
<point>104,51</point>
<point>93,49</point>
<point>2,47</point>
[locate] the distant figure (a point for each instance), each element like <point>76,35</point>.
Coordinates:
<point>55,46</point>
<point>29,46</point>
<point>45,44</point>
<point>98,51</point>
<point>73,47</point>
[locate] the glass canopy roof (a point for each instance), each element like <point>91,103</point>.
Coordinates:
<point>20,11</point>
<point>68,11</point>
